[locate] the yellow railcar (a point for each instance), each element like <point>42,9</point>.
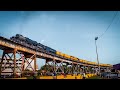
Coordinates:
<point>66,56</point>
<point>62,54</point>
<point>84,61</point>
<point>91,63</point>
<point>81,61</point>
<point>109,65</point>
<point>88,62</point>
<point>103,65</point>
<point>59,53</point>
<point>75,58</point>
<point>94,63</point>
<point>100,64</point>
<point>106,65</point>
<point>72,57</point>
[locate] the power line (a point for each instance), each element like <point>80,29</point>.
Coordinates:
<point>109,24</point>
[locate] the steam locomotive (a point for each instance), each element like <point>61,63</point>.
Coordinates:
<point>20,39</point>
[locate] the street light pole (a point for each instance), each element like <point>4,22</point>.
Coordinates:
<point>97,55</point>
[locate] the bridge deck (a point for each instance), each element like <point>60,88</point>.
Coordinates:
<point>6,44</point>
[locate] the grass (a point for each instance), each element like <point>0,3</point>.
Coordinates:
<point>31,77</point>
<point>95,77</point>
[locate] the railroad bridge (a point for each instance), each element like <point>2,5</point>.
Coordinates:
<point>11,50</point>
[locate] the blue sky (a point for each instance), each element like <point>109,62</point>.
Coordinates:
<point>71,32</point>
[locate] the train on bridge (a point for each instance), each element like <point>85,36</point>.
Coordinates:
<point>25,41</point>
<point>27,50</point>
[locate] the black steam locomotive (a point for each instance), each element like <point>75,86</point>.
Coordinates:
<point>33,44</point>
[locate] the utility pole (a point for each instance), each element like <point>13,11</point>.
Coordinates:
<point>97,55</point>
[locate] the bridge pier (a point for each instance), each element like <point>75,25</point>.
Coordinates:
<point>50,67</point>
<point>29,58</point>
<point>55,66</point>
<point>14,70</point>
<point>69,69</point>
<point>13,62</point>
<point>81,69</point>
<point>1,68</point>
<point>61,67</point>
<point>76,68</point>
<point>10,63</point>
